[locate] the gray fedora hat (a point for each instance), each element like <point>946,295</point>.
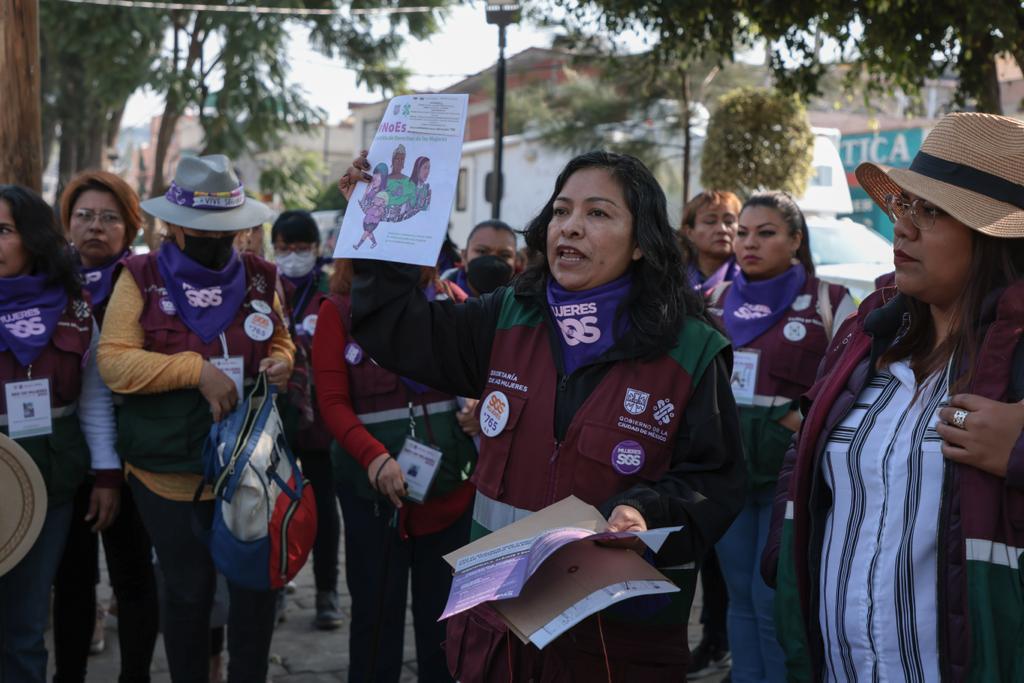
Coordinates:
<point>207,195</point>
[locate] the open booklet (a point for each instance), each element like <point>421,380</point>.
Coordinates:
<point>548,573</point>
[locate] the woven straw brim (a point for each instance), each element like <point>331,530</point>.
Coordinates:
<point>974,210</point>
<point>23,503</point>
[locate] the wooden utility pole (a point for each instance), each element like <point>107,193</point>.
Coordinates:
<point>21,146</point>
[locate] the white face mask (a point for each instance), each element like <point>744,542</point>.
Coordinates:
<point>296,264</point>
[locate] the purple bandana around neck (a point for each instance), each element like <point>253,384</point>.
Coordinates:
<point>206,300</point>
<point>215,201</point>
<point>99,281</point>
<point>29,311</point>
<point>429,293</point>
<point>752,308</point>
<point>585,320</point>
<point>726,273</point>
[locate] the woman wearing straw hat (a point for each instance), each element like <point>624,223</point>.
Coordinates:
<point>187,327</point>
<point>54,405</point>
<point>898,518</point>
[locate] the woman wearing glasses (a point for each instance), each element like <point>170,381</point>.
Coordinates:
<point>898,527</point>
<point>101,217</point>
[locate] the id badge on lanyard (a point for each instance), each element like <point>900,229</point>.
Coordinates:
<point>232,366</point>
<point>744,375</point>
<point>28,407</point>
<point>419,462</point>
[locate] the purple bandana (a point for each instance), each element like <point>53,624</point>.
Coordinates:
<point>29,311</point>
<point>726,273</point>
<point>99,281</point>
<point>752,308</point>
<point>585,320</point>
<point>206,300</point>
<point>216,201</point>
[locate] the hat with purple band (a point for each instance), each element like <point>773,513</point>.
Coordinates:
<point>207,195</point>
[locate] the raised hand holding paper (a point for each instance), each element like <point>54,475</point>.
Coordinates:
<point>401,214</point>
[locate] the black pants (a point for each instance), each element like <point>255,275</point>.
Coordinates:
<point>129,562</point>
<point>190,580</point>
<point>715,603</point>
<point>316,465</point>
<point>366,539</point>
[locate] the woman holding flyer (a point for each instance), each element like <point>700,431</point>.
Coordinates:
<point>54,406</point>
<point>188,326</point>
<point>780,318</point>
<point>601,378</point>
<point>372,414</point>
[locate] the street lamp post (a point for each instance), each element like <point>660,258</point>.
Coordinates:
<point>502,14</point>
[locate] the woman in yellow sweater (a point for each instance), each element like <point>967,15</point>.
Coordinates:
<point>186,329</point>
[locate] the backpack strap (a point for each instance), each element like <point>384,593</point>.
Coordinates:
<point>825,309</point>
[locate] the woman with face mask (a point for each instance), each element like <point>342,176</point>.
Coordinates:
<point>187,328</point>
<point>601,377</point>
<point>296,241</point>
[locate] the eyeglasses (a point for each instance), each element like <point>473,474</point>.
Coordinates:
<point>108,219</point>
<point>923,217</point>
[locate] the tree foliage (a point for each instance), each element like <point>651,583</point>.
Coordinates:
<point>292,177</point>
<point>758,139</point>
<point>892,43</point>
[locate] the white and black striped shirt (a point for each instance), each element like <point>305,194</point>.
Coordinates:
<point>883,463</point>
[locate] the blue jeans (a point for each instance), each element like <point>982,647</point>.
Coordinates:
<point>25,602</point>
<point>756,655</point>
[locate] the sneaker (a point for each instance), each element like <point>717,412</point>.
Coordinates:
<point>98,642</point>
<point>708,659</point>
<point>328,613</point>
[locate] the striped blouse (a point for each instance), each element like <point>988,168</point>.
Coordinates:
<point>884,466</point>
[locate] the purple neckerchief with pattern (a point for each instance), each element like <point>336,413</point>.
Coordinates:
<point>29,310</point>
<point>429,293</point>
<point>725,273</point>
<point>206,300</point>
<point>587,319</point>
<point>752,308</point>
<point>194,199</point>
<point>99,281</point>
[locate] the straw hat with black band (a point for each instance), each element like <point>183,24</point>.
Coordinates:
<point>206,194</point>
<point>971,166</point>
<point>22,503</point>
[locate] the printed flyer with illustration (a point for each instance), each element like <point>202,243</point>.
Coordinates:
<point>401,214</point>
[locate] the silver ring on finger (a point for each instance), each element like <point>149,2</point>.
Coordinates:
<point>960,418</point>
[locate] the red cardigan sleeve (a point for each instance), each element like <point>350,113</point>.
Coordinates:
<point>330,374</point>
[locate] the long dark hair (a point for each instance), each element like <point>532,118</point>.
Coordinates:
<point>37,227</point>
<point>995,263</point>
<point>794,218</point>
<point>660,297</point>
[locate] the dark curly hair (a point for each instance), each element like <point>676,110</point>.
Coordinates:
<point>660,298</point>
<point>37,226</point>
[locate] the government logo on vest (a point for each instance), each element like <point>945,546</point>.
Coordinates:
<point>635,401</point>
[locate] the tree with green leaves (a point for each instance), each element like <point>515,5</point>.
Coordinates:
<point>758,139</point>
<point>894,44</point>
<point>292,177</point>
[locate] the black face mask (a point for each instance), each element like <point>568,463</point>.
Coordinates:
<point>487,273</point>
<point>212,253</point>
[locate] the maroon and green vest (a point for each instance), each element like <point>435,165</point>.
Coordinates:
<point>302,435</point>
<point>165,432</point>
<point>789,355</point>
<point>381,401</point>
<point>624,433</point>
<point>62,456</point>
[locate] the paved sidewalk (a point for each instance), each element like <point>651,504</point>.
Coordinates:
<point>299,652</point>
